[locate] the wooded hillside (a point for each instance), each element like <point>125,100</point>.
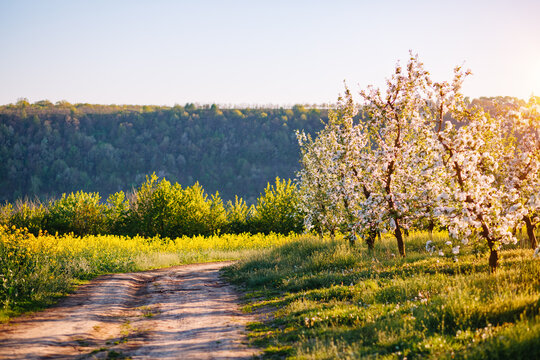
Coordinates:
<point>48,149</point>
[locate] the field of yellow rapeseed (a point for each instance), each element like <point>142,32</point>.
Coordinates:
<point>36,268</point>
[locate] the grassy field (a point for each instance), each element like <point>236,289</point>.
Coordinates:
<point>325,299</point>
<point>329,301</point>
<point>36,270</point>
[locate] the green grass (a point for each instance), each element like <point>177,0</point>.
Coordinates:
<point>330,301</point>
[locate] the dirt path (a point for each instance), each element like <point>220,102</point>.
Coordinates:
<point>183,312</point>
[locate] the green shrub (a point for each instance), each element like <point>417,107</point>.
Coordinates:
<point>30,215</point>
<point>25,214</point>
<point>28,272</point>
<point>80,213</point>
<point>238,216</point>
<point>118,210</point>
<point>148,208</point>
<point>5,213</point>
<point>217,216</point>
<point>159,208</point>
<point>278,209</point>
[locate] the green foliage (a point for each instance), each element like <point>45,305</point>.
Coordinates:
<point>6,210</point>
<point>278,209</point>
<point>239,216</point>
<point>158,207</point>
<point>80,213</point>
<point>118,213</point>
<point>27,214</point>
<point>169,210</point>
<point>30,215</point>
<point>25,273</point>
<point>68,147</point>
<point>149,207</point>
<point>217,216</point>
<point>333,301</point>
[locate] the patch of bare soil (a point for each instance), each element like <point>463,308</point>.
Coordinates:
<point>183,312</point>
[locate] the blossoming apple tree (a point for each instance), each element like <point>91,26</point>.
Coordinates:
<point>399,159</point>
<point>316,185</point>
<point>520,166</point>
<point>331,192</point>
<point>476,200</point>
<point>422,152</point>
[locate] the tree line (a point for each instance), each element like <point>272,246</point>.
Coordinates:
<point>159,208</point>
<point>48,149</point>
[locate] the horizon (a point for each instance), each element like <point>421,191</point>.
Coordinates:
<point>227,106</point>
<point>240,53</point>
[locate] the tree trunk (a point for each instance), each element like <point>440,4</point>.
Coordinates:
<point>399,237</point>
<point>370,239</point>
<point>431,227</point>
<point>530,231</point>
<point>493,257</point>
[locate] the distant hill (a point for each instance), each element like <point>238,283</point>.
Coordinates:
<point>47,149</point>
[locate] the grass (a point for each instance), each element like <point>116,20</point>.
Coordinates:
<point>35,271</point>
<point>331,301</point>
<point>326,299</point>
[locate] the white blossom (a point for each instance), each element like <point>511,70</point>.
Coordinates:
<point>477,174</point>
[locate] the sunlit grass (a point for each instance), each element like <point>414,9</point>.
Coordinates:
<point>331,301</point>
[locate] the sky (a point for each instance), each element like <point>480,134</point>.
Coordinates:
<point>258,52</point>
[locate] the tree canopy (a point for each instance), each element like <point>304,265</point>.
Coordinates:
<point>48,149</point>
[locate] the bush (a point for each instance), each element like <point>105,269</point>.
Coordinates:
<point>278,209</point>
<point>28,271</point>
<point>118,210</point>
<point>25,214</point>
<point>168,210</point>
<point>238,216</point>
<point>80,213</point>
<point>158,207</point>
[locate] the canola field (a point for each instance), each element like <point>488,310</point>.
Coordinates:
<point>35,269</point>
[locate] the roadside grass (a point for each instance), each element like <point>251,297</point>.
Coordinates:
<point>35,271</point>
<point>331,301</point>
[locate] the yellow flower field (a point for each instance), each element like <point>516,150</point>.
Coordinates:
<point>36,268</point>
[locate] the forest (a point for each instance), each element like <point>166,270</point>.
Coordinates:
<point>48,149</point>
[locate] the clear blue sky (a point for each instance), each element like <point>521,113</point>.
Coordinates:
<point>257,52</point>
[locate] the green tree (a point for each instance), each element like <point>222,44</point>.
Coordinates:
<point>239,216</point>
<point>278,209</point>
<point>80,213</point>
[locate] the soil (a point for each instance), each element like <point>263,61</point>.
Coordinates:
<point>182,312</point>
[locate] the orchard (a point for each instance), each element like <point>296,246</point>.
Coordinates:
<point>417,155</point>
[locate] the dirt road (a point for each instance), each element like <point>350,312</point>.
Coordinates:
<point>183,312</point>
